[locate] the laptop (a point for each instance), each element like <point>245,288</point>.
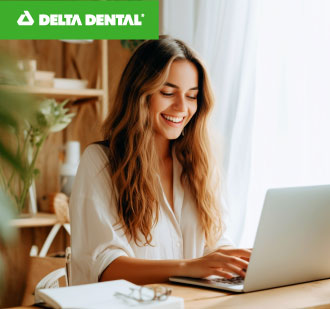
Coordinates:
<point>292,243</point>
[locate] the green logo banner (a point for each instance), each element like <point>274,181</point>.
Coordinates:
<point>79,20</point>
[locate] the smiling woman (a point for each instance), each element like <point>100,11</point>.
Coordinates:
<point>145,205</point>
<point>172,107</point>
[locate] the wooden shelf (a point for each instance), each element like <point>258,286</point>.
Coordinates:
<point>40,219</point>
<point>57,93</point>
<point>77,95</point>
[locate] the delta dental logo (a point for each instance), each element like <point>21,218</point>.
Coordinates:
<point>75,20</point>
<point>28,22</point>
<point>72,19</point>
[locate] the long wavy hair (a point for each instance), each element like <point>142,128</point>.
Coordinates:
<point>132,156</point>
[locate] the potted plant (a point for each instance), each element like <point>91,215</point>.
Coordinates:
<point>15,109</point>
<point>24,126</point>
<point>29,138</point>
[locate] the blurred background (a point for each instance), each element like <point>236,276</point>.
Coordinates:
<point>270,69</point>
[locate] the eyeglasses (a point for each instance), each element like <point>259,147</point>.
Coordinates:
<point>145,294</point>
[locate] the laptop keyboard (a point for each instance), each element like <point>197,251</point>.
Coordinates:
<point>233,281</point>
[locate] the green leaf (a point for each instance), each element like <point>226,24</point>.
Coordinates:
<point>130,44</point>
<point>11,158</point>
<point>64,103</point>
<point>7,232</point>
<point>16,105</point>
<point>36,172</point>
<point>41,119</point>
<point>7,120</point>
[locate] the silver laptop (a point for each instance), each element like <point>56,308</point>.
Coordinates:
<point>292,244</point>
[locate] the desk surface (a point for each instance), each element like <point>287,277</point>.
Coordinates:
<point>306,295</point>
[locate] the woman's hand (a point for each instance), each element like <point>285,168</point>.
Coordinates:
<point>222,262</point>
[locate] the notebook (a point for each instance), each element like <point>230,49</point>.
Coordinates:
<point>103,295</point>
<point>292,243</point>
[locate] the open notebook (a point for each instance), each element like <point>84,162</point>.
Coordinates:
<point>111,294</point>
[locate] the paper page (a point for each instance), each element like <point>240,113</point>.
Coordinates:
<point>102,295</point>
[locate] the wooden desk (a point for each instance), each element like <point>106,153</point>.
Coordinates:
<point>306,295</point>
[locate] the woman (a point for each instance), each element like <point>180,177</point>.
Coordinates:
<point>144,205</point>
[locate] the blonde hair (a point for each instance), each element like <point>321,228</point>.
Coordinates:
<point>132,156</point>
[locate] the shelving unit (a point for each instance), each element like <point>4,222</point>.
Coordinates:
<point>101,94</point>
<point>55,93</point>
<point>42,220</point>
<point>87,61</point>
<point>76,94</point>
<point>37,220</point>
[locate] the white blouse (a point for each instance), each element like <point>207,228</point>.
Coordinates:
<point>96,242</point>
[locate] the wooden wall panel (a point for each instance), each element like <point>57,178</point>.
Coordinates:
<point>82,61</point>
<point>47,52</point>
<point>118,58</point>
<point>85,127</point>
<point>48,163</point>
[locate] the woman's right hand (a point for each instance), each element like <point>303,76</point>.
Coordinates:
<point>222,262</point>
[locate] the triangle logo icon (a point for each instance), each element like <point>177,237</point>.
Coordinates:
<point>22,22</point>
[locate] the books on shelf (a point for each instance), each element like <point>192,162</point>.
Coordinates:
<point>111,294</point>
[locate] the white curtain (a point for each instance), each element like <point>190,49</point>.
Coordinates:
<point>224,34</point>
<point>269,61</point>
<point>291,138</point>
<point>177,18</point>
